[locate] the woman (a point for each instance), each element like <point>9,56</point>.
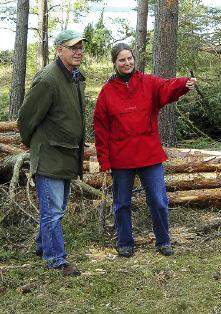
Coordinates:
<point>128,143</point>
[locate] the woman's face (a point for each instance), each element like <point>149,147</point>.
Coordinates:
<point>124,62</point>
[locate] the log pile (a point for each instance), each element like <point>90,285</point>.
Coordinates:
<point>193,176</point>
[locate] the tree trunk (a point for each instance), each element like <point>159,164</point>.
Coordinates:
<point>8,126</point>
<point>43,34</point>
<point>10,139</point>
<point>141,34</point>
<point>200,198</point>
<point>193,181</point>
<point>164,61</point>
<point>19,60</point>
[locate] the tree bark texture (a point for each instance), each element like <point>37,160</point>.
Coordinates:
<point>42,34</point>
<point>164,61</point>
<point>19,60</point>
<point>141,33</point>
<point>8,126</point>
<point>199,198</point>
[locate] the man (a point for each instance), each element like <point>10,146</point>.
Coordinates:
<point>51,123</point>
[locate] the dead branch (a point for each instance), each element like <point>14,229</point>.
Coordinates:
<point>15,177</point>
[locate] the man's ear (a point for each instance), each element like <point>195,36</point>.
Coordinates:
<point>59,50</point>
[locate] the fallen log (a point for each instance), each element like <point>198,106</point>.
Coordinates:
<point>185,152</point>
<point>174,182</point>
<point>89,151</point>
<point>182,166</point>
<point>10,139</point>
<point>180,160</point>
<point>200,198</point>
<point>96,179</point>
<point>10,149</point>
<point>191,181</point>
<point>172,166</point>
<point>208,226</point>
<point>8,126</point>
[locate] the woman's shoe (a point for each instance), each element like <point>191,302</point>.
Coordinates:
<point>165,250</point>
<point>125,251</point>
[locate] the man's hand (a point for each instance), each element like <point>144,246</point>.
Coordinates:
<point>191,83</point>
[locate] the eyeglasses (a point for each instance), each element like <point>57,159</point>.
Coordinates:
<point>73,49</point>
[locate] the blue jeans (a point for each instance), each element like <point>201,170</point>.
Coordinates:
<point>53,196</point>
<point>152,180</point>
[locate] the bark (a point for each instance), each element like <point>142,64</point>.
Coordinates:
<point>84,189</point>
<point>8,126</point>
<point>193,181</point>
<point>27,288</point>
<point>141,34</point>
<point>96,179</point>
<point>164,61</point>
<point>9,149</point>
<point>10,139</point>
<point>199,198</point>
<point>19,60</point>
<point>8,164</point>
<point>89,151</point>
<point>211,49</point>
<point>174,182</point>
<point>180,160</point>
<point>190,152</point>
<point>43,34</point>
<point>208,226</point>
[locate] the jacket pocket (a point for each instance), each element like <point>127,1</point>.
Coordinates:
<point>131,122</point>
<point>63,144</point>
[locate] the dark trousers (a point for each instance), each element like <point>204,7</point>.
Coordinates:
<point>152,180</point>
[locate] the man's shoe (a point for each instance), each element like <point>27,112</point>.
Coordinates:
<point>125,251</point>
<point>165,250</point>
<point>70,270</point>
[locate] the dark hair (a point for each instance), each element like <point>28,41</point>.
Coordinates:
<point>117,49</point>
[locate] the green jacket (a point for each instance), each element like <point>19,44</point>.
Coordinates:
<point>51,122</point>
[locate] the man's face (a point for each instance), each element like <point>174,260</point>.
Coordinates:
<point>71,56</point>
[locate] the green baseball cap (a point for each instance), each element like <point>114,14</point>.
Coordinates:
<point>68,37</point>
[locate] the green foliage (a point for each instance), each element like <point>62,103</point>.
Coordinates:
<point>198,28</point>
<point>204,113</point>
<point>99,38</point>
<point>31,59</point>
<point>8,14</point>
<point>6,57</point>
<point>4,101</point>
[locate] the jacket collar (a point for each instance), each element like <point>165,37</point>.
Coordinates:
<point>73,76</point>
<point>118,78</point>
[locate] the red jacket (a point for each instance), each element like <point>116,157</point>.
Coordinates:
<point>125,120</point>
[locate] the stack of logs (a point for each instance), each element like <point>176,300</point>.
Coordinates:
<point>193,176</point>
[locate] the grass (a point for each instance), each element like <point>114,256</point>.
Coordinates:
<point>189,282</point>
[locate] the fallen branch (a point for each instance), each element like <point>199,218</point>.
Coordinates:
<point>208,226</point>
<point>17,167</point>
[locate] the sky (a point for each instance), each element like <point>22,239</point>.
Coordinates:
<point>122,9</point>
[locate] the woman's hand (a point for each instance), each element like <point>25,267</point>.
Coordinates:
<point>107,171</point>
<point>191,83</point>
